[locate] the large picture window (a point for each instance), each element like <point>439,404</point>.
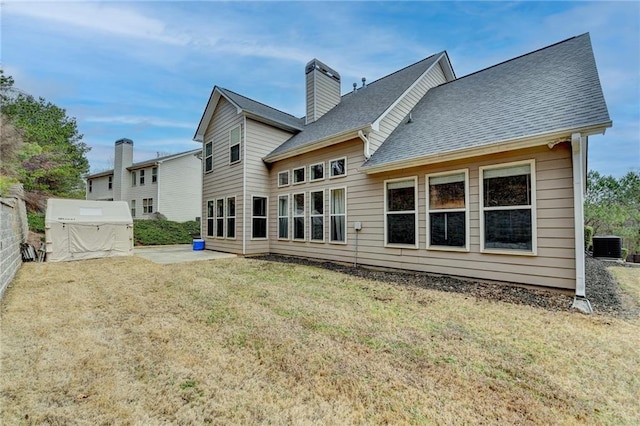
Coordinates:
<point>283,217</point>
<point>401,215</point>
<point>231,217</point>
<point>220,218</point>
<point>447,205</point>
<point>338,215</point>
<point>316,215</point>
<point>299,224</point>
<point>508,207</point>
<point>210,218</point>
<point>208,156</point>
<point>235,136</point>
<point>259,218</point>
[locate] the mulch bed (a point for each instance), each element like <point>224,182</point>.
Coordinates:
<point>604,293</point>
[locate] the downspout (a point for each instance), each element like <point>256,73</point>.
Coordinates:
<point>580,300</point>
<point>157,186</point>
<point>367,153</point>
<point>244,185</point>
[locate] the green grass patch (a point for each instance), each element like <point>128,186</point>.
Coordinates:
<point>36,222</point>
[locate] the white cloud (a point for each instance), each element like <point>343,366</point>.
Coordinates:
<point>98,17</point>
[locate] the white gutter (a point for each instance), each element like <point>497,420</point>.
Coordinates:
<point>580,301</point>
<point>498,146</point>
<point>367,152</point>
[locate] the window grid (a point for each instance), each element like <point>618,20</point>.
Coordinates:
<point>316,216</point>
<point>147,205</point>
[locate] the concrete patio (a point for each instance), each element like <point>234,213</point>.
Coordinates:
<point>177,254</point>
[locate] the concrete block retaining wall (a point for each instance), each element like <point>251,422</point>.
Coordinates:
<point>13,231</point>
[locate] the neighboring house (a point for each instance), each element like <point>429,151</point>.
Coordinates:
<point>480,176</point>
<point>171,185</point>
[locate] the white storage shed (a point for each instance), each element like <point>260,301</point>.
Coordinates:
<point>84,229</point>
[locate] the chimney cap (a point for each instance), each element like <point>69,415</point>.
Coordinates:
<point>315,64</point>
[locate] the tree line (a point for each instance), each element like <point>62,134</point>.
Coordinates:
<point>40,146</point>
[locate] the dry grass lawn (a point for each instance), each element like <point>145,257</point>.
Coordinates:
<point>241,341</point>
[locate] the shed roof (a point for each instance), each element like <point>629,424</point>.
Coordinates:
<point>546,91</point>
<point>61,210</point>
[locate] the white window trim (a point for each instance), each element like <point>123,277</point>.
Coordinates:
<point>288,178</point>
<point>416,231</point>
<point>288,216</point>
<point>154,177</point>
<point>311,215</point>
<point>323,172</point>
<point>218,217</point>
<point>294,216</point>
<point>345,168</point>
<point>239,145</point>
<point>227,217</point>
<point>467,221</point>
<point>142,177</point>
<point>293,175</point>
<point>534,223</point>
<point>213,217</point>
<point>346,228</point>
<point>266,218</point>
<point>205,156</point>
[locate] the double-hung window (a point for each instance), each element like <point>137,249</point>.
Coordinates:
<point>316,172</point>
<point>401,214</point>
<point>316,215</point>
<point>447,210</point>
<point>283,217</point>
<point>133,208</point>
<point>90,185</point>
<point>154,175</point>
<point>133,179</point>
<point>507,204</point>
<point>208,157</point>
<point>220,218</point>
<point>299,224</point>
<point>147,205</point>
<point>142,177</point>
<point>338,215</point>
<point>259,218</point>
<point>110,182</point>
<point>338,167</point>
<point>231,217</point>
<point>210,218</point>
<point>235,136</point>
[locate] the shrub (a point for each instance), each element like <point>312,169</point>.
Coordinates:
<point>588,237</point>
<point>157,232</point>
<point>36,222</point>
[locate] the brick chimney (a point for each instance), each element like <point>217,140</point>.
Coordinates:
<point>123,159</point>
<point>323,89</point>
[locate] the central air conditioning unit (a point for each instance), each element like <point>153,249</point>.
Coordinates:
<point>608,246</point>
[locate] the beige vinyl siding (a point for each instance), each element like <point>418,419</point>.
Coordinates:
<point>553,265</point>
<point>225,180</point>
<point>261,140</point>
<point>433,78</point>
<point>99,189</point>
<point>179,188</point>
<point>323,93</point>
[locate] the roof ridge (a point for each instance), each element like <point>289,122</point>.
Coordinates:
<point>258,102</point>
<point>517,57</point>
<point>397,71</point>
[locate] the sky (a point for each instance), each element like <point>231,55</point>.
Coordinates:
<point>144,70</point>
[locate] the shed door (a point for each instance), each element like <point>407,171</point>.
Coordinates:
<point>91,238</point>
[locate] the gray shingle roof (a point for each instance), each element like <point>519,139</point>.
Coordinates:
<point>146,163</point>
<point>358,109</point>
<point>551,89</point>
<point>262,110</point>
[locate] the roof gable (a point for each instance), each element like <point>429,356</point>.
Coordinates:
<point>253,109</point>
<point>363,107</point>
<point>550,90</point>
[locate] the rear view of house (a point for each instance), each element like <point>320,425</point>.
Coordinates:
<point>479,176</point>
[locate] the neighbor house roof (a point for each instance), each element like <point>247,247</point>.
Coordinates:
<point>552,90</point>
<point>251,108</point>
<point>359,109</point>
<point>147,163</point>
